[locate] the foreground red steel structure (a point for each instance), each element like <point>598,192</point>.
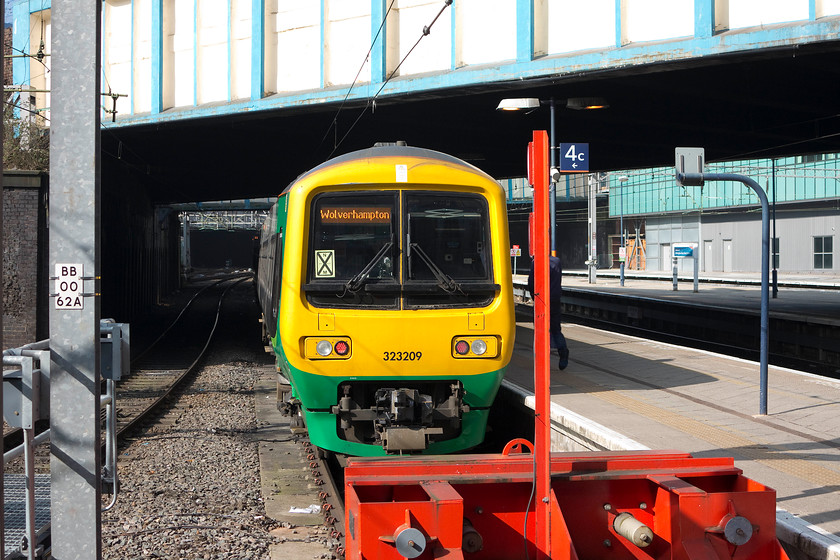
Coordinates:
<point>663,504</point>
<point>529,503</point>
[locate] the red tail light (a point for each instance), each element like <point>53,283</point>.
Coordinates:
<point>341,348</point>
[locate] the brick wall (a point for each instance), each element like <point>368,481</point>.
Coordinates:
<point>24,245</point>
<point>139,248</point>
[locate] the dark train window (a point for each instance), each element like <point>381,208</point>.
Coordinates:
<point>353,250</point>
<point>447,250</point>
<point>275,282</point>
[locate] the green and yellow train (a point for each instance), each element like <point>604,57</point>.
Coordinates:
<point>385,285</point>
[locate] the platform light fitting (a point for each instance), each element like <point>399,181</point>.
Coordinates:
<point>532,103</point>
<point>586,103</point>
<point>518,104</point>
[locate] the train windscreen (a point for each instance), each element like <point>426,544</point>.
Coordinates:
<point>356,240</point>
<point>447,250</point>
<point>352,261</point>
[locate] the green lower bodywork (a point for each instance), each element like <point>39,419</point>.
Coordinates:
<point>322,432</point>
<point>318,393</point>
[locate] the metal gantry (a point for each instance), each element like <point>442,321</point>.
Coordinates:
<point>225,220</point>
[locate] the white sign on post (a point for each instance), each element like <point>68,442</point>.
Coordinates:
<point>68,285</point>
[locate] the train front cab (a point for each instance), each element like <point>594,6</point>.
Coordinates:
<point>396,319</point>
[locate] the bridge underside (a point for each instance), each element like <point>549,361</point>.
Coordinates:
<point>775,102</point>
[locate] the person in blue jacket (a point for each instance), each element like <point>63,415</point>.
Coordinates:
<point>555,272</point>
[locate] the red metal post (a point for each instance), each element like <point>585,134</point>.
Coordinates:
<point>538,168</point>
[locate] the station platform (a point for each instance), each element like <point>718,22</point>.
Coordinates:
<point>629,393</point>
<point>812,295</point>
<point>289,493</point>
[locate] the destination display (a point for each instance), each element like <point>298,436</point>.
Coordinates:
<point>356,215</point>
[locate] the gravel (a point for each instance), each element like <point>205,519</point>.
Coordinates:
<point>190,485</point>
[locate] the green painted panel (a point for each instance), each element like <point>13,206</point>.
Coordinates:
<point>321,392</point>
<point>322,428</point>
<point>655,190</point>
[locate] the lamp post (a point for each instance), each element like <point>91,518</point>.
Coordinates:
<point>529,104</point>
<point>622,254</point>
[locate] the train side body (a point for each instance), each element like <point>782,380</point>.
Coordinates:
<point>395,262</point>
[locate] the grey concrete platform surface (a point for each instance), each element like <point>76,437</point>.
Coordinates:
<point>639,393</point>
<point>286,486</point>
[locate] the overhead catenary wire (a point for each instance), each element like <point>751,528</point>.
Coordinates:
<point>371,101</point>
<point>334,123</point>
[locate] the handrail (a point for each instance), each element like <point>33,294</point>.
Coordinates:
<point>29,383</point>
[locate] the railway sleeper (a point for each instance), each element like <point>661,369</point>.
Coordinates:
<point>401,419</point>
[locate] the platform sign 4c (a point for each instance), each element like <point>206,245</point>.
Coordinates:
<point>574,157</point>
<point>68,286</point>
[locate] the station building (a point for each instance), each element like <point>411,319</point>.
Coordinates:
<point>721,219</point>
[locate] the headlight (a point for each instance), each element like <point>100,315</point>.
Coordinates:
<point>324,348</point>
<point>475,346</point>
<point>327,348</point>
<point>479,347</point>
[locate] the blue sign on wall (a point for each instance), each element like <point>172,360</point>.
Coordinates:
<point>683,250</point>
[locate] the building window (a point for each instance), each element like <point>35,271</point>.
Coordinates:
<point>823,252</point>
<point>775,252</point>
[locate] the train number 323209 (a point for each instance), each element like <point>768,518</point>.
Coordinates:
<point>401,356</point>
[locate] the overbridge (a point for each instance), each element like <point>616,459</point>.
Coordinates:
<point>215,100</point>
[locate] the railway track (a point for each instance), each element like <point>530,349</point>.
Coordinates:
<point>327,472</point>
<point>166,364</point>
<point>151,407</point>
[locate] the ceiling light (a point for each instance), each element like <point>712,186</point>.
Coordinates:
<point>583,103</point>
<point>518,104</point>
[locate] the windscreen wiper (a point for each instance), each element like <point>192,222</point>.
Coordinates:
<point>445,282</point>
<point>355,283</point>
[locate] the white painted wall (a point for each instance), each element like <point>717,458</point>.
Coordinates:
<point>116,55</point>
<point>827,8</point>
<point>486,31</point>
<point>749,13</point>
<point>654,20</point>
<point>346,42</point>
<point>405,27</point>
<point>293,60</point>
<point>240,49</point>
<point>213,72</point>
<point>573,26</point>
<point>179,53</point>
<point>142,94</point>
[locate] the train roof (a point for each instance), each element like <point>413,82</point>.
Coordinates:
<point>395,149</point>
